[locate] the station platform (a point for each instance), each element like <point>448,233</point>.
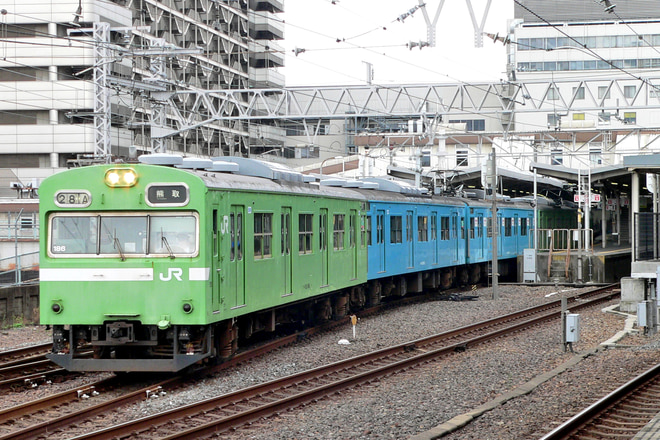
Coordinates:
<point>597,266</point>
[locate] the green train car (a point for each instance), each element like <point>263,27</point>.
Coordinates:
<point>157,268</point>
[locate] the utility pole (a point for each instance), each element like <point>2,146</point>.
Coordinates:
<point>491,169</point>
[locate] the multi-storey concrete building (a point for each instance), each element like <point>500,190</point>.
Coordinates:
<point>84,79</point>
<point>587,73</point>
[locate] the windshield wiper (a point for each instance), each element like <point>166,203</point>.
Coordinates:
<point>167,245</point>
<point>118,247</point>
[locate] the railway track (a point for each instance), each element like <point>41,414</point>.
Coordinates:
<point>242,407</point>
<point>25,354</point>
<point>619,415</point>
<point>28,367</point>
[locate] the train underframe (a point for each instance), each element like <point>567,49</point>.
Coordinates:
<point>129,346</point>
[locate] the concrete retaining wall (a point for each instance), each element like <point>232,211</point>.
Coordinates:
<point>19,305</point>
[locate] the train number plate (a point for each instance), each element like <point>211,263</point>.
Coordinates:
<point>73,199</point>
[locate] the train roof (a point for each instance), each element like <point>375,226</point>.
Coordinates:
<point>230,181</point>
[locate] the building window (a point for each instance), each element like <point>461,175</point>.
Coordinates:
<point>553,93</point>
<point>629,91</point>
<point>396,229</point>
<point>426,159</point>
<point>603,92</point>
<point>578,92</point>
<point>305,233</point>
<point>263,235</point>
<point>461,158</point>
<point>578,116</point>
<point>554,120</point>
<point>630,118</point>
<point>422,228</point>
<point>338,231</point>
<point>596,154</point>
<point>604,118</point>
<point>556,157</point>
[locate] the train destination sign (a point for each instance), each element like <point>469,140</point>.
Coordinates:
<point>167,194</point>
<point>73,199</point>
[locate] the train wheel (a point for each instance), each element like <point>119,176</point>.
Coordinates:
<point>446,280</point>
<point>475,274</point>
<point>341,306</point>
<point>401,287</point>
<point>358,299</point>
<point>375,290</point>
<point>463,276</point>
<point>226,342</point>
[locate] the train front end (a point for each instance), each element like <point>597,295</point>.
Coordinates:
<point>124,279</point>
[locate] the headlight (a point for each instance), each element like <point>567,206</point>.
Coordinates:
<point>120,177</point>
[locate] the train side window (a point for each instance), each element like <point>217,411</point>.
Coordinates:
<point>444,228</point>
<point>352,229</point>
<point>489,226</point>
<point>409,226</point>
<point>508,229</point>
<point>523,226</point>
<point>285,231</point>
<point>434,227</point>
<point>305,233</point>
<point>396,229</point>
<point>263,235</point>
<point>422,228</point>
<point>323,219</point>
<point>338,231</point>
<point>232,235</point>
<point>239,235</point>
<point>473,223</point>
<point>380,229</point>
<point>368,228</point>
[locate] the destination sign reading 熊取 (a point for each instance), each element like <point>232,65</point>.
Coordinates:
<point>167,194</point>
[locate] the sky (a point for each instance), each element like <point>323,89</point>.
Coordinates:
<point>316,25</point>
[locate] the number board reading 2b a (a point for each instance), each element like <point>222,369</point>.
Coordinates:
<point>73,199</point>
<point>175,194</point>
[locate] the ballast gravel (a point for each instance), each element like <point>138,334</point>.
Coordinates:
<point>412,402</point>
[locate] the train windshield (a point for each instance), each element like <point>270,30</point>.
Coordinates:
<point>132,235</point>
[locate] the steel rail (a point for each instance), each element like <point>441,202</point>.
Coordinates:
<point>232,410</point>
<point>639,398</point>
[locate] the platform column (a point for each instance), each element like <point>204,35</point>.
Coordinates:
<point>634,208</point>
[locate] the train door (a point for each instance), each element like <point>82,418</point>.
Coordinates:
<point>215,263</point>
<point>380,239</point>
<point>409,239</point>
<point>236,261</point>
<point>286,247</point>
<point>454,236</point>
<point>479,233</point>
<point>323,245</point>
